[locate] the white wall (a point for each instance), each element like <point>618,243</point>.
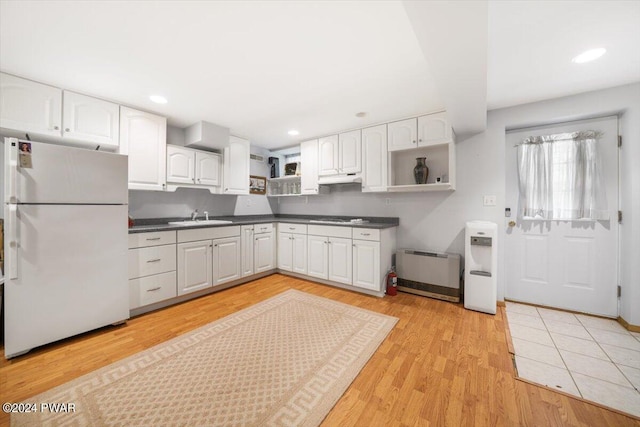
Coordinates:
<point>436,220</point>
<point>2,175</point>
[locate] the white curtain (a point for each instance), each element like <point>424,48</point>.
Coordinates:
<point>560,177</point>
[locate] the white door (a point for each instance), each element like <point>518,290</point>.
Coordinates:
<point>433,129</point>
<point>350,155</point>
<point>328,155</point>
<point>226,260</point>
<point>366,264</point>
<point>402,135</point>
<point>207,169</point>
<point>194,266</point>
<point>263,252</point>
<point>180,165</point>
<point>143,137</point>
<point>247,250</point>
<point>340,261</point>
<point>236,166</point>
<point>285,251</point>
<point>317,256</point>
<point>29,106</point>
<point>565,264</point>
<point>374,159</point>
<point>299,253</point>
<point>90,120</point>
<point>309,165</point>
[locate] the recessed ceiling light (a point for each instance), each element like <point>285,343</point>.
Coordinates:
<point>158,99</point>
<point>361,114</point>
<point>293,132</point>
<point>589,55</point>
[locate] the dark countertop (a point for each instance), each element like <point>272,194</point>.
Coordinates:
<point>161,224</point>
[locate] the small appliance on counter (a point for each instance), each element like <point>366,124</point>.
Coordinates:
<point>274,163</point>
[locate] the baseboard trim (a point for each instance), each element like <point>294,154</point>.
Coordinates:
<point>628,326</point>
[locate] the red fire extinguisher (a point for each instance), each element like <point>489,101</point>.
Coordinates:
<point>392,283</point>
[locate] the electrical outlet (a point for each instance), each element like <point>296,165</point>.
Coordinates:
<point>489,200</point>
<point>387,201</point>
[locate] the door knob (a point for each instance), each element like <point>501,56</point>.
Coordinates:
<point>512,223</point>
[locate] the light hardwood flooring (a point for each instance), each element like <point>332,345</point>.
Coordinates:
<point>441,365</point>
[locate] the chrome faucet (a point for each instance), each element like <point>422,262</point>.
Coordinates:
<point>206,216</point>
<point>194,215</point>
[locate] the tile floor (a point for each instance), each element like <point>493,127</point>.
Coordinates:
<point>594,358</point>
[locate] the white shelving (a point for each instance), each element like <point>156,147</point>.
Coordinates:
<point>440,159</point>
<point>284,186</point>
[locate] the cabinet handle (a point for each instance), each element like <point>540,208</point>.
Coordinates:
<point>420,140</point>
<point>155,260</point>
<point>66,129</point>
<point>365,234</point>
<point>292,228</point>
<point>154,238</point>
<point>216,245</point>
<point>56,128</point>
<point>154,289</point>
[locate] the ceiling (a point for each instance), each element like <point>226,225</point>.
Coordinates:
<point>263,68</point>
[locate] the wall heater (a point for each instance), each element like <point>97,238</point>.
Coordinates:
<point>430,274</point>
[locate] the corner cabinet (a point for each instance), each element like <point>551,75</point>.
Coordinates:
<point>143,137</point>
<point>236,166</point>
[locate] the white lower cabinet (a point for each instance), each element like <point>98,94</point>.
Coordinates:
<point>226,260</point>
<point>292,247</point>
<point>340,263</point>
<point>317,256</point>
<point>194,266</point>
<point>246,243</point>
<point>264,244</point>
<point>366,264</point>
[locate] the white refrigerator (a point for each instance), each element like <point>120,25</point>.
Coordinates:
<point>65,242</point>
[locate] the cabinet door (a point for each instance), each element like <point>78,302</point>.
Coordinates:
<point>180,165</point>
<point>90,120</point>
<point>247,249</point>
<point>143,137</point>
<point>366,265</point>
<point>309,165</point>
<point>207,169</point>
<point>434,129</point>
<point>226,260</point>
<point>285,251</point>
<point>194,266</point>
<point>317,256</point>
<point>27,106</point>
<point>350,154</point>
<point>340,262</point>
<point>328,155</point>
<point>263,252</point>
<point>374,159</point>
<point>402,135</point>
<point>236,166</point>
<point>299,253</point>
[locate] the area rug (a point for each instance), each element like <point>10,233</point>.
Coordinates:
<point>284,361</point>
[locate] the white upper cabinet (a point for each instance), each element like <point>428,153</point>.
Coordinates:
<point>309,165</point>
<point>434,129</point>
<point>180,165</point>
<point>30,107</point>
<point>90,120</point>
<point>236,166</point>
<point>328,163</point>
<point>208,167</point>
<point>350,152</point>
<point>402,135</point>
<point>374,159</point>
<point>143,137</point>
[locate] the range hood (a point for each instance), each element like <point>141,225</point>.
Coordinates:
<point>206,135</point>
<point>339,179</point>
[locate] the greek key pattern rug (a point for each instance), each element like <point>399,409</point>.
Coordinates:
<point>284,361</point>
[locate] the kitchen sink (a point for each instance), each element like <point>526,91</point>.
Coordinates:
<point>192,223</point>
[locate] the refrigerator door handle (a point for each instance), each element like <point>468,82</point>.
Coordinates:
<point>12,252</point>
<point>12,178</point>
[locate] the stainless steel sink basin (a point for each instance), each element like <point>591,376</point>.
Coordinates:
<point>200,222</point>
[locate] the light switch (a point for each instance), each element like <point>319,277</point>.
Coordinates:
<point>489,200</point>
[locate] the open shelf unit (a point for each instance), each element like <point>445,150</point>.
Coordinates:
<point>284,186</point>
<point>440,159</point>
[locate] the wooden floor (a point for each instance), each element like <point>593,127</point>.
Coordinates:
<point>442,365</point>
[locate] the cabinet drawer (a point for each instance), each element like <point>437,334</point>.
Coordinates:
<point>366,234</point>
<point>141,240</point>
<point>262,228</point>
<point>285,227</point>
<point>151,260</point>
<point>151,289</point>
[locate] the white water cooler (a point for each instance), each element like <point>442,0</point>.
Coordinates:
<point>481,266</point>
